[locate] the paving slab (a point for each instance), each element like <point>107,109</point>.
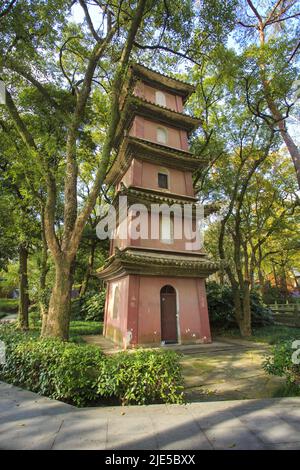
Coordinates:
<point>77,433</point>
<point>29,421</point>
<point>179,433</point>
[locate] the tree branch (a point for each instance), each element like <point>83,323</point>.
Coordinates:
<point>168,49</point>
<point>7,9</point>
<point>255,11</point>
<point>89,21</point>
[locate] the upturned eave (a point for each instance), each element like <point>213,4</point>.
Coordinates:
<point>155,263</point>
<point>152,152</point>
<point>160,80</point>
<point>134,106</point>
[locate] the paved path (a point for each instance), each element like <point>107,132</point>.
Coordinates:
<point>9,317</point>
<point>232,373</point>
<point>29,421</point>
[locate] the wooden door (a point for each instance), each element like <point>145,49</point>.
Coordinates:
<point>168,314</point>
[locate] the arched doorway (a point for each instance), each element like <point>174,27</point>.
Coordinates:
<point>168,312</point>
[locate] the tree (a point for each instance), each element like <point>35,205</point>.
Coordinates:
<point>235,145</point>
<point>89,58</point>
<point>273,58</point>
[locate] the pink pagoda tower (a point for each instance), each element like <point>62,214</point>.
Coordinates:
<point>155,287</point>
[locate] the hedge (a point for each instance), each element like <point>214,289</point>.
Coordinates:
<point>82,375</point>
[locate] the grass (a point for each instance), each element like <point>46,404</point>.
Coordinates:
<point>287,390</point>
<point>8,305</point>
<point>80,328</point>
<point>271,334</point>
<point>77,329</point>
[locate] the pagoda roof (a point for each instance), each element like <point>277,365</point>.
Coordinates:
<point>134,105</point>
<point>160,80</point>
<point>133,147</point>
<point>152,196</point>
<point>146,196</point>
<point>152,262</point>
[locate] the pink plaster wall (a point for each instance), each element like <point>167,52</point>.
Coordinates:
<point>115,328</point>
<point>136,238</point>
<point>145,175</point>
<point>147,92</point>
<point>146,129</point>
<point>139,310</point>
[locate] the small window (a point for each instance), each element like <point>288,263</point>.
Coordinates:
<point>166,229</point>
<point>161,135</point>
<point>160,98</point>
<point>116,302</point>
<point>163,180</point>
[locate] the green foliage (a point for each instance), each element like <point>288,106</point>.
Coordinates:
<point>221,307</point>
<point>64,371</point>
<point>280,363</point>
<point>81,374</point>
<point>78,328</point>
<point>142,377</point>
<point>274,294</point>
<point>9,305</point>
<point>89,307</point>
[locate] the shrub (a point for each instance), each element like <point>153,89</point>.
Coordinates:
<point>221,307</point>
<point>64,371</point>
<point>280,363</point>
<point>89,307</point>
<point>9,305</point>
<point>142,377</point>
<point>81,374</point>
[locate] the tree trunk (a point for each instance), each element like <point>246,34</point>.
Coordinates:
<point>275,276</point>
<point>245,324</point>
<point>276,113</point>
<point>242,309</point>
<point>23,287</point>
<point>43,274</point>
<point>88,271</point>
<point>57,320</point>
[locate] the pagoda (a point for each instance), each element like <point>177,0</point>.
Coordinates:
<point>155,287</point>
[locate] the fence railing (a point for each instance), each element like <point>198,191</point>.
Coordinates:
<point>287,314</point>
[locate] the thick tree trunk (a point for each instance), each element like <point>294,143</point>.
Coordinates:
<point>23,287</point>
<point>56,322</point>
<point>242,310</point>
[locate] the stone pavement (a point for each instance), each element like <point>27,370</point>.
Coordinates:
<point>229,374</point>
<point>30,421</point>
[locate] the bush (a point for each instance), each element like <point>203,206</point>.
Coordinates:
<point>221,307</point>
<point>142,377</point>
<point>82,374</point>
<point>89,307</point>
<point>9,305</point>
<point>64,371</point>
<point>280,363</point>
